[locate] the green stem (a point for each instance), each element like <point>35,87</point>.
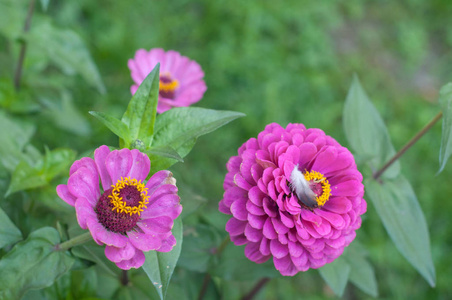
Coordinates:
<point>408,145</point>
<point>78,240</point>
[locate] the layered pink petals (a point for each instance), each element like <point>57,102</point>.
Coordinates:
<point>268,218</point>
<point>188,74</point>
<point>153,229</point>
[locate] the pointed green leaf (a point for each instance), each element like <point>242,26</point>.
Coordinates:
<point>56,162</point>
<point>25,177</point>
<point>165,151</point>
<point>366,131</point>
<point>445,100</point>
<point>402,216</point>
<point>52,164</point>
<point>159,266</point>
<point>13,140</point>
<point>179,127</point>
<point>115,125</point>
<point>66,50</point>
<point>32,264</point>
<point>9,233</point>
<point>142,109</point>
<point>362,273</point>
<point>336,275</point>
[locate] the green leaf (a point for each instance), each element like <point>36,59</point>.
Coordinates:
<point>362,273</point>
<point>165,151</point>
<point>401,214</point>
<point>142,109</point>
<point>115,125</point>
<point>13,140</point>
<point>366,131</point>
<point>54,163</point>
<point>336,275</point>
<point>45,4</point>
<point>445,101</point>
<point>9,233</point>
<point>159,266</point>
<point>66,115</point>
<point>66,50</point>
<point>232,264</point>
<point>32,264</point>
<point>25,177</point>
<point>197,248</point>
<point>179,127</point>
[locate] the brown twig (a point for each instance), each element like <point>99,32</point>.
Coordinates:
<point>259,285</point>
<point>408,145</point>
<point>23,48</point>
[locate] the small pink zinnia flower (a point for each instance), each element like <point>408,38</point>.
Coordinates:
<point>295,195</point>
<point>128,215</point>
<point>181,82</point>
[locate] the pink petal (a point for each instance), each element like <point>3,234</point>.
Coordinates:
<point>63,192</point>
<point>100,154</point>
<point>156,225</point>
<point>252,234</point>
<point>285,266</point>
<point>277,249</point>
<point>84,212</point>
<point>158,179</point>
<point>144,242</point>
<point>84,183</point>
<point>253,253</point>
<point>104,236</point>
<point>119,254</point>
<point>168,205</point>
<point>118,164</point>
<point>84,162</point>
<point>235,227</point>
<point>238,209</point>
<point>167,244</point>
<point>141,165</point>
<point>135,262</point>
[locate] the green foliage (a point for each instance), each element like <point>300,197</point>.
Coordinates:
<point>366,131</point>
<point>336,275</point>
<point>26,176</point>
<point>142,109</point>
<point>179,128</point>
<point>402,216</point>
<point>23,267</point>
<point>445,100</point>
<point>159,266</point>
<point>9,233</point>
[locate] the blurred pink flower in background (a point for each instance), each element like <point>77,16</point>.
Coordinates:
<point>129,216</point>
<point>181,79</point>
<point>295,195</point>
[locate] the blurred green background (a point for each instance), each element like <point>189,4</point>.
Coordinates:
<point>275,61</point>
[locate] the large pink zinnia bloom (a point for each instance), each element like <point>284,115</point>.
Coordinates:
<point>181,82</point>
<point>126,214</point>
<point>267,215</point>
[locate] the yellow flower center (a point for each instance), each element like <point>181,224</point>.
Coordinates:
<point>167,85</point>
<point>123,199</point>
<point>320,186</point>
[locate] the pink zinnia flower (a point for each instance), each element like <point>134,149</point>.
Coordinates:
<point>181,82</point>
<point>128,215</point>
<point>295,195</point>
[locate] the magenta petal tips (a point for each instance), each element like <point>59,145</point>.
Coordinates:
<point>181,79</point>
<point>129,214</point>
<point>295,195</point>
